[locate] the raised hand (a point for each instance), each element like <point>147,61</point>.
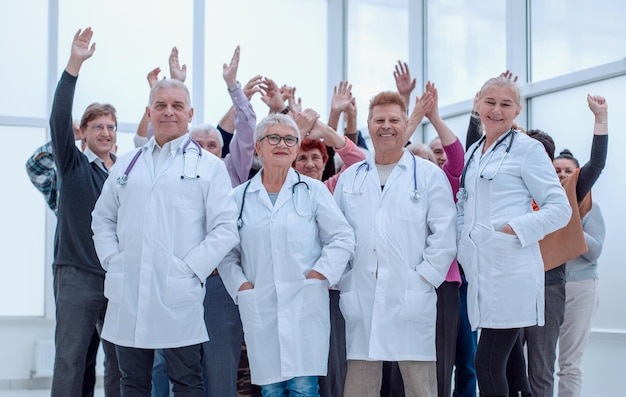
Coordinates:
<point>270,95</point>
<point>431,106</point>
<point>597,104</point>
<point>422,106</point>
<point>253,86</point>
<point>153,76</point>
<point>404,83</point>
<point>509,75</point>
<point>342,97</point>
<point>305,121</point>
<point>295,104</point>
<point>230,71</point>
<point>176,71</point>
<point>81,51</point>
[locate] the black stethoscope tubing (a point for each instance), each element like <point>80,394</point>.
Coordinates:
<point>480,141</point>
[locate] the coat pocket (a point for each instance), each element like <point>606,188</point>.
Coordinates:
<point>315,303</point>
<point>420,300</point>
<point>249,311</point>
<point>350,306</point>
<point>114,279</point>
<point>182,287</point>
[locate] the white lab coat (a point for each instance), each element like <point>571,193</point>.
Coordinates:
<point>505,275</point>
<point>285,317</point>
<point>159,237</point>
<point>403,252</point>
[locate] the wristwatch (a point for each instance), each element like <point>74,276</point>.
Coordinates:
<point>286,110</point>
<point>235,87</point>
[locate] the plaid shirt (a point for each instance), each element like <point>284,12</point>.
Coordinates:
<point>42,173</point>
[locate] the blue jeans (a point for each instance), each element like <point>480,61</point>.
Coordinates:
<point>466,341</point>
<point>222,352</point>
<point>80,308</point>
<point>160,381</point>
<point>304,386</point>
<point>184,368</point>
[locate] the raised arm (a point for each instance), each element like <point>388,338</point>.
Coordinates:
<point>422,105</point>
<point>341,99</point>
<point>432,113</point>
<point>227,122</point>
<point>239,160</point>
<point>404,83</point>
<point>61,126</point>
<point>271,96</point>
<point>590,172</point>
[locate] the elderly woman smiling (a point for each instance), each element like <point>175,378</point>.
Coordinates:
<point>295,243</point>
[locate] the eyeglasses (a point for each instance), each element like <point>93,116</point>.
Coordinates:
<point>274,140</point>
<point>100,127</point>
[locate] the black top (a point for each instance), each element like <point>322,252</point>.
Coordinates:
<point>80,186</point>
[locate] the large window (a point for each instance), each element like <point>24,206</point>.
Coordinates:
<point>23,231</point>
<point>570,35</point>
<point>24,57</point>
<point>132,38</point>
<point>284,40</point>
<point>566,117</point>
<point>465,45</point>
<point>377,39</point>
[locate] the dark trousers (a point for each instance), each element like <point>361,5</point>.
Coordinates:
<point>183,364</point>
<point>332,384</point>
<point>80,308</point>
<point>222,352</point>
<point>500,363</point>
<point>541,343</point>
<point>447,331</point>
<point>466,341</point>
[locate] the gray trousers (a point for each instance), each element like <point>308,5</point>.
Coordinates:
<point>80,308</point>
<point>541,343</point>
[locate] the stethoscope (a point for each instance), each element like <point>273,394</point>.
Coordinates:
<point>415,195</point>
<point>187,173</point>
<point>293,197</point>
<point>462,193</point>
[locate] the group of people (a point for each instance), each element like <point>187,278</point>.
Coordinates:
<point>337,265</point>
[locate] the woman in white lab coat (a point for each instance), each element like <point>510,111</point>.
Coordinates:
<point>499,234</point>
<point>295,243</point>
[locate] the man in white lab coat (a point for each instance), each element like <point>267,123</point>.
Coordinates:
<point>163,222</point>
<point>402,211</point>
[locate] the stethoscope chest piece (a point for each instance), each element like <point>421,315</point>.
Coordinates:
<point>122,180</point>
<point>415,196</point>
<point>461,194</point>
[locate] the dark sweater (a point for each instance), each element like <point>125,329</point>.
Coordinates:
<point>81,183</point>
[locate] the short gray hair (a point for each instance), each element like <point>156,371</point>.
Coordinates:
<point>206,129</point>
<point>169,83</point>
<point>275,119</point>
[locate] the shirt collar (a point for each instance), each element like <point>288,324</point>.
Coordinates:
<point>172,145</point>
<point>92,157</point>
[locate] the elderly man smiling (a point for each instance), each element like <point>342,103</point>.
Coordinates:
<point>164,221</point>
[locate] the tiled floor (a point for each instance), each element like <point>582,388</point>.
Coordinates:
<point>99,392</point>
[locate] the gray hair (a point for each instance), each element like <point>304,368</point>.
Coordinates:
<point>206,129</point>
<point>276,119</point>
<point>423,151</point>
<point>169,83</point>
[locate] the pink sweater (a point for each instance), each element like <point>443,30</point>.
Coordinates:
<point>453,169</point>
<point>350,154</point>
